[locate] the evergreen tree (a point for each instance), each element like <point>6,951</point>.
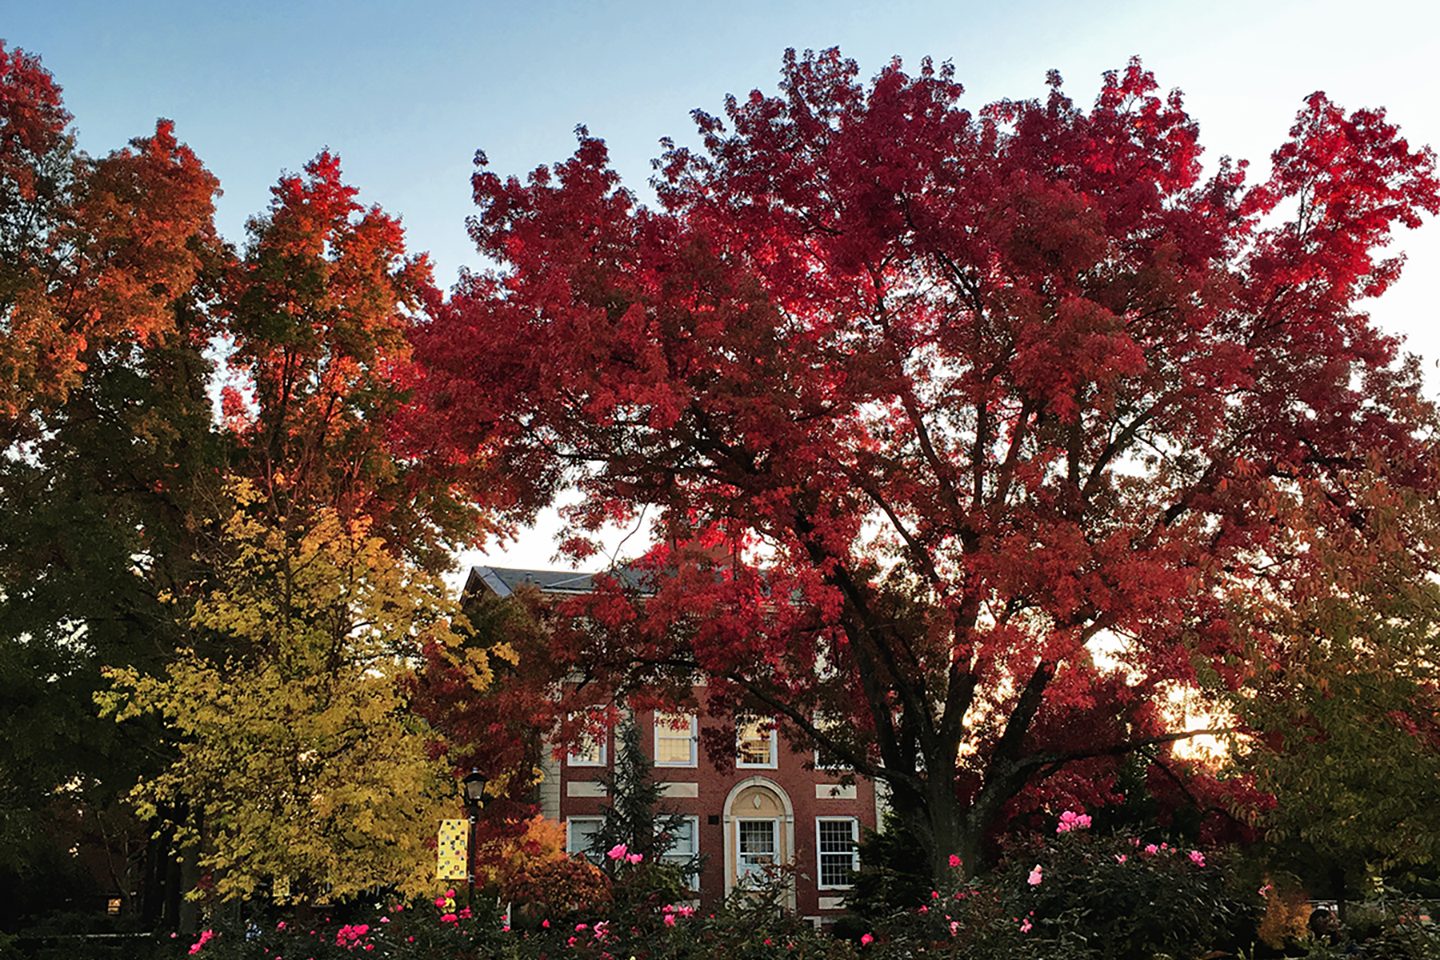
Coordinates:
<point>636,820</point>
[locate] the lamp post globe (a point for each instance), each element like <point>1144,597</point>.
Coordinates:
<point>472,788</point>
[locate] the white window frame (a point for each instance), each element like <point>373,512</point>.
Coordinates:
<point>839,766</point>
<point>570,834</point>
<point>693,736</point>
<point>603,742</point>
<point>742,874</point>
<point>820,854</point>
<point>774,761</point>
<point>692,879</point>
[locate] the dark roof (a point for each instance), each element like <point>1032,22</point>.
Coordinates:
<point>503,581</point>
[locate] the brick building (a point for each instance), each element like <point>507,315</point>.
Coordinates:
<point>768,803</point>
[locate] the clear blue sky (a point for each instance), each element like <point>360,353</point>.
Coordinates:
<point>406,92</point>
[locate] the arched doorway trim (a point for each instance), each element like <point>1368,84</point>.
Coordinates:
<point>731,815</point>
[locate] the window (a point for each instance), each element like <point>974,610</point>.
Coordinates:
<point>836,850</point>
<point>588,750</point>
<point>825,760</point>
<point>755,743</point>
<point>675,739</point>
<point>579,832</point>
<point>684,845</point>
<point>758,845</point>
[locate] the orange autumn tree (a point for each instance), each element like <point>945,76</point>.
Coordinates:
<point>324,587</point>
<point>108,471</point>
<point>92,252</point>
<point>929,405</point>
<point>531,867</point>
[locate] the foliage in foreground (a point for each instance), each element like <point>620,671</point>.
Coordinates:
<point>1078,898</point>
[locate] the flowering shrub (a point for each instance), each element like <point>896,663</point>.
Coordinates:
<point>1083,897</point>
<point>443,927</point>
<point>1122,898</point>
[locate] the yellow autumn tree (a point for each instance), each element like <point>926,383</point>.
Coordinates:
<point>298,759</point>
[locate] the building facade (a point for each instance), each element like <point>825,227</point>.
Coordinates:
<point>767,804</point>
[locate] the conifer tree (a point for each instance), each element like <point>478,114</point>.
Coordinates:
<point>636,819</point>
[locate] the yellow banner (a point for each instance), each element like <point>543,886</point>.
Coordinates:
<point>450,848</point>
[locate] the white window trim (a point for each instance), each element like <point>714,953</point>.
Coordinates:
<point>854,852</point>
<point>839,766</point>
<point>570,834</point>
<point>694,760</point>
<point>774,751</point>
<point>571,760</point>
<point>694,822</point>
<point>740,872</point>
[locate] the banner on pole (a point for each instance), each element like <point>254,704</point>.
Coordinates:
<point>451,847</point>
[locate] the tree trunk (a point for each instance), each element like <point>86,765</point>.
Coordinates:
<point>936,817</point>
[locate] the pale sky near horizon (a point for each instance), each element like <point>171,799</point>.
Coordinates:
<point>405,93</point>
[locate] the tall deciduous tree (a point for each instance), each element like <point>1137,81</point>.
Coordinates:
<point>299,759</point>
<point>968,397</point>
<point>96,253</point>
<point>108,469</point>
<point>298,754</point>
<point>1347,716</point>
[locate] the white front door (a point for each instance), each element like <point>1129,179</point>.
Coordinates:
<point>757,843</point>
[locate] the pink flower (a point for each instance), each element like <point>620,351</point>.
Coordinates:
<point>866,939</point>
<point>954,860</point>
<point>1025,925</point>
<point>923,909</point>
<point>1265,890</point>
<point>1151,849</point>
<point>954,926</point>
<point>384,919</point>
<point>617,852</point>
<point>570,942</point>
<point>1035,877</point>
<point>669,919</point>
<point>581,926</point>
<point>280,925</point>
<point>545,924</point>
<point>1070,820</point>
<point>1121,858</point>
<point>1197,858</point>
<point>448,918</point>
<point>934,894</point>
<point>634,857</point>
<point>205,937</point>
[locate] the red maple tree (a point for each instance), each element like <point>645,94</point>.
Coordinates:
<point>962,396</point>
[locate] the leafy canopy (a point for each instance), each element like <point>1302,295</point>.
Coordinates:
<point>939,401</point>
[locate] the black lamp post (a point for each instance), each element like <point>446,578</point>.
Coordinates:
<point>473,789</point>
